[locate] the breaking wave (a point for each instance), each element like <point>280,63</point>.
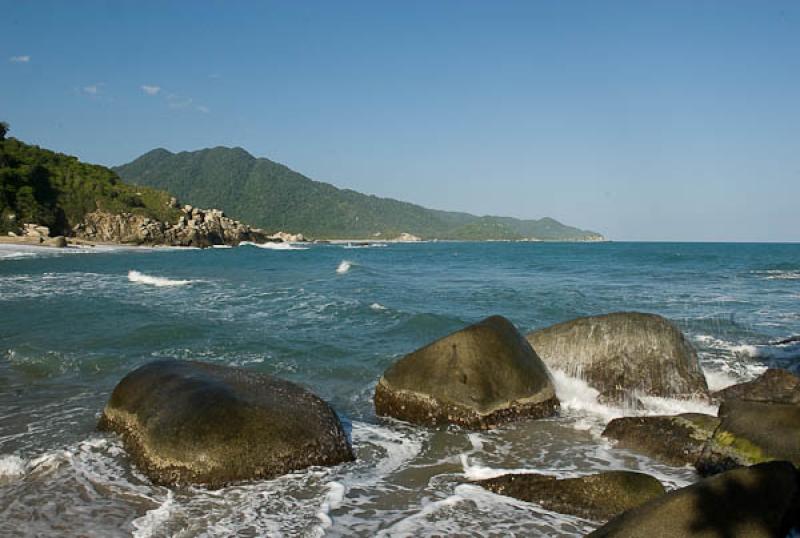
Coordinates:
<point>141,278</point>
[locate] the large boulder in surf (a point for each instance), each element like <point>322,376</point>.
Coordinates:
<point>624,354</point>
<point>773,386</point>
<point>675,440</point>
<point>752,432</point>
<point>478,377</point>
<point>598,497</point>
<point>759,501</point>
<point>193,422</point>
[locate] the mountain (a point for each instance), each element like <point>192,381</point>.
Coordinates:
<point>56,190</point>
<point>272,196</point>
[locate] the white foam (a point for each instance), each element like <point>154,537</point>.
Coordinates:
<point>344,266</point>
<point>396,445</point>
<point>719,379</point>
<point>368,245</point>
<point>333,500</point>
<point>482,472</point>
<point>377,306</point>
<point>273,246</point>
<point>778,274</point>
<point>221,246</point>
<point>149,524</point>
<point>141,278</point>
<point>11,466</point>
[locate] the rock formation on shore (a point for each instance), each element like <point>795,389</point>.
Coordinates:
<point>623,355</point>
<point>198,423</point>
<point>478,377</point>
<point>194,228</point>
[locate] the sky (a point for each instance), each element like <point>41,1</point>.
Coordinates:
<point>652,121</point>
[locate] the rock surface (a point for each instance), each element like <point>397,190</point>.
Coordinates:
<point>478,377</point>
<point>598,497</point>
<point>624,354</point>
<point>754,502</point>
<point>195,227</point>
<point>192,422</point>
<point>752,432</point>
<point>773,386</point>
<point>675,440</point>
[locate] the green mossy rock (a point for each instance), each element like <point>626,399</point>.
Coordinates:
<point>675,440</point>
<point>598,497</point>
<point>478,377</point>
<point>186,422</point>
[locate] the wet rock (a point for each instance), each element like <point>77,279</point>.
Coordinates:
<point>773,386</point>
<point>754,502</point>
<point>598,497</point>
<point>192,422</point>
<point>478,377</point>
<point>623,355</point>
<point>752,432</point>
<point>675,440</point>
<point>58,241</point>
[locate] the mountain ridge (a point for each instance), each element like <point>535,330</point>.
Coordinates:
<point>272,196</point>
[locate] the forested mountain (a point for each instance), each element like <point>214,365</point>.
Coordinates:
<point>272,196</point>
<point>44,187</point>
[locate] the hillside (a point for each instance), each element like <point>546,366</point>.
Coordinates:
<point>272,196</point>
<point>56,190</point>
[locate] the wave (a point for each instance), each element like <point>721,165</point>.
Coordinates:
<point>365,245</point>
<point>778,274</point>
<point>150,523</point>
<point>272,246</point>
<point>141,278</point>
<point>344,267</point>
<point>578,398</point>
<point>377,306</point>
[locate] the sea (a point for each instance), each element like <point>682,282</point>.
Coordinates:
<point>73,322</point>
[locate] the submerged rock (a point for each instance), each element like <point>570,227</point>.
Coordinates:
<point>773,386</point>
<point>478,377</point>
<point>193,422</point>
<point>598,497</point>
<point>759,501</point>
<point>623,353</point>
<point>752,432</point>
<point>675,440</point>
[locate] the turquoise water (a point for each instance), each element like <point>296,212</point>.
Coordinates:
<point>73,323</point>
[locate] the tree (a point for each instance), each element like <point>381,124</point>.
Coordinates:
<point>4,127</point>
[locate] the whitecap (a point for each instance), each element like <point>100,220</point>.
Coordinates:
<point>141,278</point>
<point>11,466</point>
<point>344,266</point>
<point>377,306</point>
<point>333,500</point>
<point>272,246</point>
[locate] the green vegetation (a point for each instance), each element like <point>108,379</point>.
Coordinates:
<point>269,195</point>
<point>43,187</point>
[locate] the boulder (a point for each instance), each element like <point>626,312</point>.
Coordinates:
<point>58,241</point>
<point>773,386</point>
<point>752,432</point>
<point>624,354</point>
<point>758,501</point>
<point>675,440</point>
<point>193,422</point>
<point>478,377</point>
<point>598,497</point>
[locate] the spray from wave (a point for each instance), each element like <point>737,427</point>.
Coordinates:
<point>141,278</point>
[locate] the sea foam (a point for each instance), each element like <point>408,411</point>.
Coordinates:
<point>141,278</point>
<point>344,267</point>
<point>272,246</point>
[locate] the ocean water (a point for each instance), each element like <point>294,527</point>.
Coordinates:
<point>74,322</point>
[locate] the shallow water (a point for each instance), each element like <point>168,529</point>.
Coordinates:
<point>72,323</point>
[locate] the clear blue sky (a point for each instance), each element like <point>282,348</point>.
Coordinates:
<point>642,120</point>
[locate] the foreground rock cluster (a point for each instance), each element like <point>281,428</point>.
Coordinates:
<point>189,422</point>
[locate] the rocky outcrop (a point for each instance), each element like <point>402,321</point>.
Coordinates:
<point>752,432</point>
<point>194,227</point>
<point>623,355</point>
<point>675,440</point>
<point>773,386</point>
<point>598,497</point>
<point>288,237</point>
<point>406,237</point>
<point>191,422</point>
<point>759,501</point>
<point>478,377</point>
